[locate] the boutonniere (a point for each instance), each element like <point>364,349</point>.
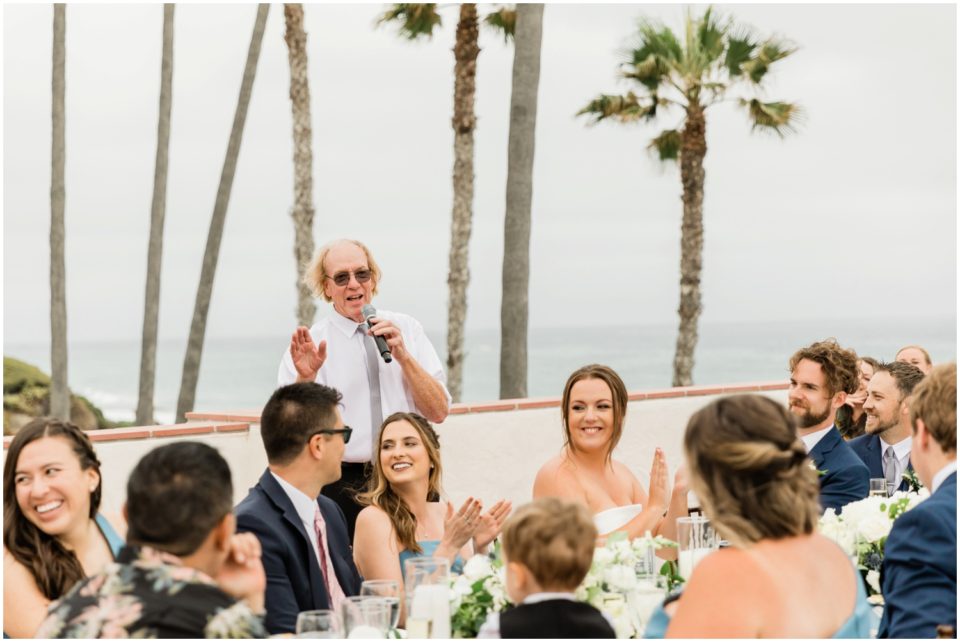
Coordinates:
<point>820,473</point>
<point>913,483</point>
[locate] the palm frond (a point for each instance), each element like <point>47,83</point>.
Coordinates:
<point>503,21</point>
<point>740,46</point>
<point>650,72</point>
<point>710,33</point>
<point>415,20</point>
<point>778,117</point>
<point>767,54</point>
<point>625,109</point>
<point>666,145</point>
<point>658,40</point>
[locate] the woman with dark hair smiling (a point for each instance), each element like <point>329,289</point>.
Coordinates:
<point>593,408</point>
<point>53,535</point>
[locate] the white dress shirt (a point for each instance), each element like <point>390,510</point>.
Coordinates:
<point>942,474</point>
<point>811,440</point>
<point>306,510</point>
<point>901,454</point>
<point>346,370</point>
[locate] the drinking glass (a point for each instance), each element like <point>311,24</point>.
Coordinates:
<point>388,590</point>
<point>365,617</point>
<point>878,487</point>
<point>426,582</point>
<point>319,624</point>
<point>696,539</point>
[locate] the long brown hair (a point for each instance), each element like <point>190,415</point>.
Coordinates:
<point>382,495</point>
<point>750,470</point>
<point>618,394</point>
<point>54,567</point>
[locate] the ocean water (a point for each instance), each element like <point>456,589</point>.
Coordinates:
<point>240,373</point>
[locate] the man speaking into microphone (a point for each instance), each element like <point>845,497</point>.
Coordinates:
<point>402,373</point>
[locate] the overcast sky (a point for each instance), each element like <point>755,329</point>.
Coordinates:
<point>854,216</point>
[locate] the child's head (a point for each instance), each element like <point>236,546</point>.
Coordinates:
<point>548,546</point>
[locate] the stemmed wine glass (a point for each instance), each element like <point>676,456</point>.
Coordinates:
<point>319,624</point>
<point>388,590</point>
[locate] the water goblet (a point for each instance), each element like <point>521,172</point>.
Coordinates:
<point>365,617</point>
<point>878,487</point>
<point>696,539</point>
<point>321,623</point>
<point>388,590</point>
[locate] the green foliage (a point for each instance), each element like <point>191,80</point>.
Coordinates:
<point>671,571</point>
<point>503,21</point>
<point>714,56</point>
<point>18,375</point>
<point>667,145</point>
<point>415,20</point>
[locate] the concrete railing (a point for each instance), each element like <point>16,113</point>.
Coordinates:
<point>490,450</point>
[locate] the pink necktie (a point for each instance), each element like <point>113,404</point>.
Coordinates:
<point>317,527</point>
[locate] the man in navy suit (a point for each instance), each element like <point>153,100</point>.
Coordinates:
<point>306,550</point>
<point>885,448</point>
<point>821,377</point>
<point>919,573</point>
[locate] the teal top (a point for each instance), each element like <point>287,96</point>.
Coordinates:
<point>114,541</point>
<point>429,546</point>
<point>859,625</point>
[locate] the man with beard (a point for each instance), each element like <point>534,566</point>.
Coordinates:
<point>821,377</point>
<point>885,448</point>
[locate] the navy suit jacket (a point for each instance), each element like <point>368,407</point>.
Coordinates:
<point>294,581</point>
<point>919,574</point>
<point>847,479</point>
<point>870,451</point>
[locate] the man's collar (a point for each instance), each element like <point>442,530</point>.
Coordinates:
<point>942,475</point>
<point>305,506</point>
<point>900,449</point>
<point>810,440</point>
<point>342,323</point>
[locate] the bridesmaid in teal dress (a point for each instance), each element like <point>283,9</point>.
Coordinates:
<point>53,534</point>
<point>405,516</point>
<point>779,578</point>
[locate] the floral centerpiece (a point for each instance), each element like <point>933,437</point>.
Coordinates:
<point>619,583</point>
<point>862,529</point>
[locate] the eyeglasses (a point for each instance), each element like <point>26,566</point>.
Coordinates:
<point>342,278</point>
<point>346,431</point>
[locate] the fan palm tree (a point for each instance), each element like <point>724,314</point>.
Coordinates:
<point>151,306</point>
<point>419,21</point>
<point>514,303</point>
<point>59,392</point>
<point>692,74</point>
<point>198,324</point>
<point>302,213</point>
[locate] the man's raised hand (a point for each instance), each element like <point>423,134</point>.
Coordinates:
<point>307,357</point>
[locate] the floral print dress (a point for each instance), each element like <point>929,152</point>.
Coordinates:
<point>149,594</point>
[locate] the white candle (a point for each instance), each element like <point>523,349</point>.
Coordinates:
<point>431,605</point>
<point>690,558</point>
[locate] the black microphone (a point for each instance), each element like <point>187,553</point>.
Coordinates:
<point>369,312</point>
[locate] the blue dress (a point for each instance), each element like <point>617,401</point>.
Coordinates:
<point>429,546</point>
<point>859,625</point>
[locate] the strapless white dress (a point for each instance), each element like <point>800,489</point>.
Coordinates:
<point>613,519</point>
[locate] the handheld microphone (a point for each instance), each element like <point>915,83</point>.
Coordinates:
<point>369,312</point>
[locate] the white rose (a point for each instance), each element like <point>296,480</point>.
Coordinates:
<point>477,568</point>
<point>620,578</point>
<point>873,579</point>
<point>874,528</point>
<point>602,557</point>
<point>462,586</point>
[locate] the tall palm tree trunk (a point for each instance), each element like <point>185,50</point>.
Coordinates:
<point>59,392</point>
<point>516,231</point>
<point>198,325</point>
<point>692,151</point>
<point>158,209</point>
<point>465,51</point>
<point>302,213</point>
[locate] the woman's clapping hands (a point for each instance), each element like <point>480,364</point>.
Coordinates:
<point>491,523</point>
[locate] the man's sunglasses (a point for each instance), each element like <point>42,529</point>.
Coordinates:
<point>342,278</point>
<point>346,431</point>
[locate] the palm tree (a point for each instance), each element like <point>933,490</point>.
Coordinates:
<point>714,56</point>
<point>302,213</point>
<point>198,325</point>
<point>420,20</point>
<point>151,305</point>
<point>59,392</point>
<point>516,226</point>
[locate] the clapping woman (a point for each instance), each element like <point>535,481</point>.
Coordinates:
<point>405,516</point>
<point>53,535</point>
<point>593,407</point>
<point>779,578</point>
